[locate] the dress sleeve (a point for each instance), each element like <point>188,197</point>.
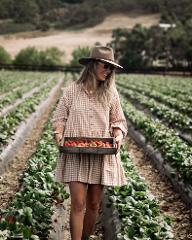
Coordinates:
<point>61,112</point>
<point>116,115</point>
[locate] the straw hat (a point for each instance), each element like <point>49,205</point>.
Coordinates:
<point>105,54</point>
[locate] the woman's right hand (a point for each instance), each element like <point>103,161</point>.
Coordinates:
<point>58,138</point>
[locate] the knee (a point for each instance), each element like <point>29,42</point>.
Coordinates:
<point>93,206</point>
<point>77,206</point>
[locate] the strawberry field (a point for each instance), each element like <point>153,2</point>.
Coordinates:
<point>159,146</point>
<point>164,122</point>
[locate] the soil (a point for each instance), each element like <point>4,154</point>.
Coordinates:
<point>68,41</point>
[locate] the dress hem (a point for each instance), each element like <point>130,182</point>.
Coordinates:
<point>89,182</point>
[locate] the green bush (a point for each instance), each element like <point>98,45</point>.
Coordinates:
<point>44,26</point>
<point>11,27</point>
<point>29,56</point>
<point>78,53</point>
<point>5,57</point>
<point>51,56</point>
<point>143,47</point>
<point>32,56</point>
<point>26,11</point>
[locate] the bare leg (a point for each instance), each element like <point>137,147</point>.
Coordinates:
<point>78,198</point>
<point>94,195</point>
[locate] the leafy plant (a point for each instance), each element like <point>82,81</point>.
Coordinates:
<point>174,149</point>
<point>138,213</point>
<point>29,215</point>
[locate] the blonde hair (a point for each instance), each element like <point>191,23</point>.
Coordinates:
<point>102,89</point>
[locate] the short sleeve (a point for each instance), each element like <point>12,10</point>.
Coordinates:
<point>116,115</point>
<point>62,110</point>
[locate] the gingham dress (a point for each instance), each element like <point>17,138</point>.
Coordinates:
<point>83,115</point>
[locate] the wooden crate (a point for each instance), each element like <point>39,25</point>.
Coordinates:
<point>90,150</point>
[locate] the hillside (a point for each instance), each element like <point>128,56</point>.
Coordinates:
<point>27,15</point>
<point>68,40</point>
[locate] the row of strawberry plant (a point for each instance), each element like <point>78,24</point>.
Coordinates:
<point>182,107</point>
<point>23,89</point>
<point>174,150</point>
<point>170,116</point>
<point>138,210</point>
<point>168,89</point>
<point>29,214</point>
<point>9,123</point>
<point>11,80</point>
<point>175,87</point>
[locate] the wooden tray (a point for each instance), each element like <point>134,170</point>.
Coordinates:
<point>91,150</point>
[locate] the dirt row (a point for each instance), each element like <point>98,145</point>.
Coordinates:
<point>9,181</point>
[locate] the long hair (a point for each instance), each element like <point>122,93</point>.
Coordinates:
<point>102,89</point>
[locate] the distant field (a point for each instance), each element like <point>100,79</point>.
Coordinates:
<point>67,41</point>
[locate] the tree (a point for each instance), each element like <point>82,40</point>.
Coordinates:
<point>51,56</point>
<point>6,9</point>
<point>132,52</point>
<point>155,44</point>
<point>188,50</point>
<point>118,43</point>
<point>5,57</point>
<point>48,5</point>
<point>71,1</point>
<point>25,11</point>
<point>178,39</point>
<point>79,53</point>
<point>28,56</point>
<point>31,56</point>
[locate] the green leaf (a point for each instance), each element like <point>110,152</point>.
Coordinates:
<point>26,232</point>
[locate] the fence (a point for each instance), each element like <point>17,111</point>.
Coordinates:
<point>76,69</point>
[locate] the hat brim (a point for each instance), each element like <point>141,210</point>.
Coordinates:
<point>85,61</point>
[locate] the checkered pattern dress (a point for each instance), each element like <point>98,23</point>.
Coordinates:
<point>83,115</point>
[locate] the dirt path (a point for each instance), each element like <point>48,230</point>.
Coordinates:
<point>9,181</point>
<point>67,41</point>
<point>60,223</point>
<point>170,203</point>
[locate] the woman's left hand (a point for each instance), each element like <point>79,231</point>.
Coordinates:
<point>118,138</point>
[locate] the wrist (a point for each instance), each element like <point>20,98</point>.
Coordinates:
<point>55,132</point>
<point>117,132</point>
<point>58,131</point>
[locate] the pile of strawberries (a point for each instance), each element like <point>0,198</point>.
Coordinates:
<point>86,143</point>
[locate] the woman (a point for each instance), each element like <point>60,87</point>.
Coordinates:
<point>90,107</point>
